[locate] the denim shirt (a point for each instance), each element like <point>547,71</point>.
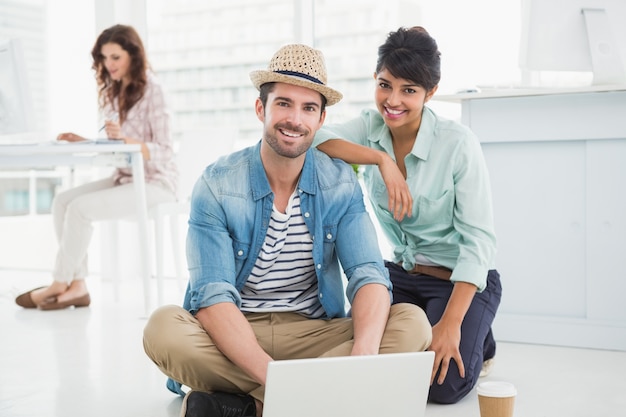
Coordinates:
<point>230,213</point>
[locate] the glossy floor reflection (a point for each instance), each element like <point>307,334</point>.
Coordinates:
<point>90,362</point>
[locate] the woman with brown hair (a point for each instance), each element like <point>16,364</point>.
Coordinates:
<point>133,106</point>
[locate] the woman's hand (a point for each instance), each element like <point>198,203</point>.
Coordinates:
<point>446,341</point>
<point>70,137</point>
<point>447,331</point>
<point>400,199</point>
<point>113,129</point>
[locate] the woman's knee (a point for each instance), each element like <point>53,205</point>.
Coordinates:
<point>453,389</point>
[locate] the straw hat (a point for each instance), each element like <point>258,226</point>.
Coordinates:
<point>299,65</point>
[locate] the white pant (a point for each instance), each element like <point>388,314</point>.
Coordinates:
<point>74,211</point>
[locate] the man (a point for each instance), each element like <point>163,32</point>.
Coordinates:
<point>267,228</point>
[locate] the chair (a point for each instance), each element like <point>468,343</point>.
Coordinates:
<point>196,150</point>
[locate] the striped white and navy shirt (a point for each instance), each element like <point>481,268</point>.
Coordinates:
<point>283,277</point>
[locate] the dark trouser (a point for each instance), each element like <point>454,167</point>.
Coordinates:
<point>477,342</point>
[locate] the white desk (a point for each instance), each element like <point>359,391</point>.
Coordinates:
<point>557,165</point>
<point>117,155</point>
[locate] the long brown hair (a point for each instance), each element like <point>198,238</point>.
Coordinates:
<point>108,90</point>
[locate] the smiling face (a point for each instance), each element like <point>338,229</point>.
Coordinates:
<point>116,61</point>
<point>290,117</point>
<point>400,101</point>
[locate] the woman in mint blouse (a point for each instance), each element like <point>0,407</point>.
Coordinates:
<point>429,187</point>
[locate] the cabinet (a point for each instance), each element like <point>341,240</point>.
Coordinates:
<point>557,163</point>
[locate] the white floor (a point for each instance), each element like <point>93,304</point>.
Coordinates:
<point>90,362</point>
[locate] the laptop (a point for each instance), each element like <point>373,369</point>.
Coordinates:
<point>394,384</point>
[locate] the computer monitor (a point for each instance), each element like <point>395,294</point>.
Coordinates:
<point>16,107</point>
<point>575,35</point>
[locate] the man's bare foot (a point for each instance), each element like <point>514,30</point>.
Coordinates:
<point>51,291</point>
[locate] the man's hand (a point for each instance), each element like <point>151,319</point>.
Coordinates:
<point>370,311</point>
<point>234,337</point>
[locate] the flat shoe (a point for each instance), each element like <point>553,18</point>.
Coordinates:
<point>487,366</point>
<point>82,301</point>
<point>25,300</point>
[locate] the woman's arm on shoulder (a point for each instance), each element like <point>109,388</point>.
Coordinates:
<point>400,199</point>
<point>353,153</point>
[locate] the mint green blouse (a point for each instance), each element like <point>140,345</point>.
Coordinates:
<point>452,219</point>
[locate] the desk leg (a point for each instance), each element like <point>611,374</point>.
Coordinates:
<point>142,221</point>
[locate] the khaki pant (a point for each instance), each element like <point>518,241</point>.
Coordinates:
<point>182,349</point>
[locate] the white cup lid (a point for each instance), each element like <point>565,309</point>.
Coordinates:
<point>496,389</point>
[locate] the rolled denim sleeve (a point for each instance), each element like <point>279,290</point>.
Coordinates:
<point>211,264</point>
<point>358,249</point>
<point>355,242</point>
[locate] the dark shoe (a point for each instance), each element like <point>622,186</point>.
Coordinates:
<point>218,404</point>
<point>25,300</point>
<point>53,304</point>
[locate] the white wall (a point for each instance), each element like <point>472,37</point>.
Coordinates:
<point>71,86</point>
<point>478,40</point>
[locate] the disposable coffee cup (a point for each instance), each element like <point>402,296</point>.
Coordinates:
<point>496,398</point>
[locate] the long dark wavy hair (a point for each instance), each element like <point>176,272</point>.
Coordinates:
<point>108,89</point>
